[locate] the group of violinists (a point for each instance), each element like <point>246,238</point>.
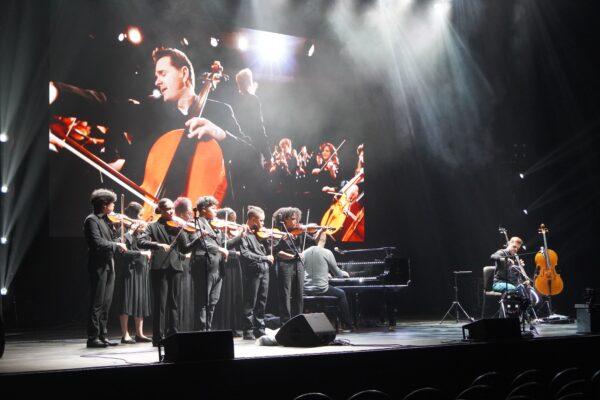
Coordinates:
<point>152,257</point>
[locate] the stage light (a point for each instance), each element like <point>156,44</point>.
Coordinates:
<point>522,175</point>
<point>3,291</point>
<point>3,240</point>
<point>214,42</point>
<point>185,42</point>
<point>134,35</point>
<point>441,8</point>
<point>4,188</point>
<point>271,47</point>
<point>52,93</point>
<point>121,37</point>
<point>525,211</point>
<point>242,43</point>
<point>311,50</point>
<point>3,137</point>
<point>156,93</point>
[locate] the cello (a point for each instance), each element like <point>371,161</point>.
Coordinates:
<point>206,169</point>
<point>340,210</point>
<point>547,280</point>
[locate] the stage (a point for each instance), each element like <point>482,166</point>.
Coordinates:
<point>64,349</point>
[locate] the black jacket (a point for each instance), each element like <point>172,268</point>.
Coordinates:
<point>158,232</point>
<point>100,238</point>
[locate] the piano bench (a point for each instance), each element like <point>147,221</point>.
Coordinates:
<point>325,304</point>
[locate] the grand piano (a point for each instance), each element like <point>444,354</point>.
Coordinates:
<point>376,278</point>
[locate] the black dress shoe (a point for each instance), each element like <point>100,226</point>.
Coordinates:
<point>128,341</point>
<point>259,333</point>
<point>108,342</point>
<point>141,339</point>
<point>248,336</point>
<point>96,344</point>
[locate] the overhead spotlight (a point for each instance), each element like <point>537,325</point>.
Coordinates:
<point>214,42</point>
<point>3,291</point>
<point>4,188</point>
<point>522,175</point>
<point>441,8</point>
<point>156,93</point>
<point>3,240</point>
<point>242,43</point>
<point>311,50</point>
<point>121,37</point>
<point>525,211</point>
<point>185,42</point>
<point>134,35</point>
<point>3,137</point>
<point>272,47</point>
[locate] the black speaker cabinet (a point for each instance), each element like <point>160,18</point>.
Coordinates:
<point>198,346</point>
<point>588,318</point>
<point>306,330</point>
<point>493,329</point>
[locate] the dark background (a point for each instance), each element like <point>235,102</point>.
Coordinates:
<point>442,160</point>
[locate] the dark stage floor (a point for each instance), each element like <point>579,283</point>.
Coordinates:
<point>64,349</point>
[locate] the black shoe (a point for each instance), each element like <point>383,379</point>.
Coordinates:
<point>236,334</point>
<point>248,336</point>
<point>259,333</point>
<point>96,344</point>
<point>142,339</point>
<point>128,341</point>
<point>108,342</point>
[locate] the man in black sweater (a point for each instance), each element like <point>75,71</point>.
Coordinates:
<point>99,235</point>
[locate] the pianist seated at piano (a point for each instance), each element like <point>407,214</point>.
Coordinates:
<point>319,265</point>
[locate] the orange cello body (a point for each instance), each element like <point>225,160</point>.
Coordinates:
<point>206,172</point>
<point>547,281</point>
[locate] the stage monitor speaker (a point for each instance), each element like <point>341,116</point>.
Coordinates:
<point>493,329</point>
<point>306,330</point>
<point>199,346</point>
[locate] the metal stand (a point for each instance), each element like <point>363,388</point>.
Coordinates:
<point>456,306</point>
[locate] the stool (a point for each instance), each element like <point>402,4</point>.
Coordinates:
<point>325,304</point>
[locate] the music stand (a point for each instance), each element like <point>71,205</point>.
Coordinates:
<point>456,304</point>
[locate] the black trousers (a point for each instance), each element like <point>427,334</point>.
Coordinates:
<point>204,288</point>
<point>290,280</point>
<point>342,303</point>
<point>166,285</point>
<point>256,288</point>
<point>102,282</point>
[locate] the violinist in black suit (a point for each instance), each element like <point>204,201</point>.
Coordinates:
<point>209,255</point>
<point>168,244</point>
<point>255,272</point>
<point>99,235</point>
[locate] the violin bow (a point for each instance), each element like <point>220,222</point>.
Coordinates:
<point>331,156</point>
<point>305,233</point>
<point>122,219</point>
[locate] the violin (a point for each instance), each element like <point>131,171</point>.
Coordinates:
<point>265,233</point>
<point>308,228</point>
<point>547,280</point>
<point>187,226</point>
<point>117,218</point>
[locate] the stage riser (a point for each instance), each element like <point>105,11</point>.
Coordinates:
<point>449,367</point>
